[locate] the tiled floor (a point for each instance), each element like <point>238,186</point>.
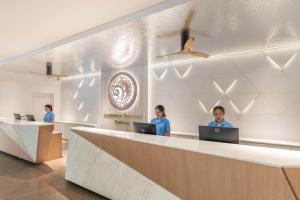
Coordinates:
<point>21,180</point>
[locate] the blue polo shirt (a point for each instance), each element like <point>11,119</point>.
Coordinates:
<point>224,124</point>
<point>162,126</point>
<point>49,117</point>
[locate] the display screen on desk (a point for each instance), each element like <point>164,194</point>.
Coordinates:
<point>30,118</point>
<point>144,128</point>
<point>17,116</point>
<point>219,134</point>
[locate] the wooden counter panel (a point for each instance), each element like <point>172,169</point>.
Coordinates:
<point>49,144</point>
<point>195,176</point>
<point>293,175</point>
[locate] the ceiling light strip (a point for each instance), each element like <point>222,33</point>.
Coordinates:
<point>81,76</point>
<point>191,60</point>
<point>255,50</point>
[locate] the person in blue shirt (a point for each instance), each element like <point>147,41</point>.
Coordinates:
<point>162,123</point>
<point>49,116</point>
<point>220,121</point>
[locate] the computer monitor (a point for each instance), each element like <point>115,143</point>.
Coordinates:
<point>144,128</point>
<point>30,118</point>
<point>17,116</point>
<point>219,134</point>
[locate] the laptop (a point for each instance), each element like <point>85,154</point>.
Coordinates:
<point>17,116</point>
<point>144,128</point>
<point>30,118</point>
<point>219,134</point>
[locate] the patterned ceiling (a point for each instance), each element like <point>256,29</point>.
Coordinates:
<point>219,26</point>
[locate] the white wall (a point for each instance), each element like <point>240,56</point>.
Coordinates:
<point>88,90</point>
<point>16,91</point>
<point>263,103</point>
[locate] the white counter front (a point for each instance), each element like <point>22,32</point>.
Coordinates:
<point>123,165</point>
<point>31,141</point>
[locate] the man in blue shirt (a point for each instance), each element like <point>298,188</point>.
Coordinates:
<point>49,116</point>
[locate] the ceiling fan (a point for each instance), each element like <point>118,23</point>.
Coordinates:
<point>49,73</point>
<point>186,38</point>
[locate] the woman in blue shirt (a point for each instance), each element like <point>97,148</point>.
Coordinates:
<point>220,121</point>
<point>162,123</point>
<point>49,116</point>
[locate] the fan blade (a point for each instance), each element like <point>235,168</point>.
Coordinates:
<point>199,54</point>
<point>170,54</point>
<point>188,45</point>
<point>188,19</point>
<point>168,34</point>
<point>202,34</point>
<point>57,75</point>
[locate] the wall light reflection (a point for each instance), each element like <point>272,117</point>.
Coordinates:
<point>216,104</point>
<point>80,83</point>
<point>227,90</point>
<point>80,69</point>
<point>93,68</point>
<point>273,63</point>
<point>290,60</point>
<point>184,74</point>
<point>285,65</point>
<point>211,109</point>
<point>86,117</point>
<point>231,86</point>
<point>202,106</point>
<point>162,76</point>
<point>218,87</point>
<point>234,107</point>
<point>249,106</point>
<point>75,95</point>
<point>80,106</point>
<point>246,108</point>
<point>92,82</point>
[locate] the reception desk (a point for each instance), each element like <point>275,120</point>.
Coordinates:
<point>130,166</point>
<point>32,141</point>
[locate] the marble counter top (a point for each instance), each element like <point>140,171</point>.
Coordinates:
<point>76,123</point>
<point>23,122</point>
<point>259,155</point>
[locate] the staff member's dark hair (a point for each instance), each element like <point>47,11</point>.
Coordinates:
<point>161,108</point>
<point>219,108</point>
<point>48,106</point>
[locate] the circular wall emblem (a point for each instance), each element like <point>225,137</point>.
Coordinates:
<point>122,91</point>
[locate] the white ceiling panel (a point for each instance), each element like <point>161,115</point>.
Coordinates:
<point>219,26</point>
<point>31,24</point>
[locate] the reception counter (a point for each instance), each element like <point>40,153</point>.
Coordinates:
<point>129,166</point>
<point>31,141</point>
